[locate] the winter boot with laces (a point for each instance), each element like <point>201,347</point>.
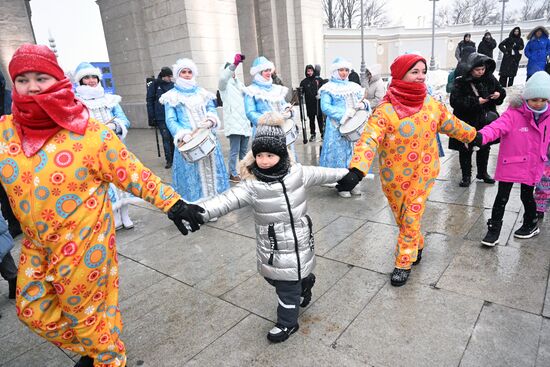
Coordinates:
<point>493,233</point>
<point>399,277</point>
<point>530,228</point>
<point>307,284</point>
<point>280,333</point>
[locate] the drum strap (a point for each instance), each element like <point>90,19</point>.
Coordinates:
<point>272,242</point>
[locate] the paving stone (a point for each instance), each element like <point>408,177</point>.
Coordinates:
<point>43,355</point>
<point>449,219</point>
<point>170,322</point>
<point>479,229</point>
<point>371,247</point>
<point>9,321</point>
<point>144,219</point>
<point>334,233</point>
<point>503,337</point>
<point>333,312</point>
<point>135,277</point>
<point>543,356</point>
<point>414,325</point>
<point>259,297</point>
<point>505,275</point>
<point>542,240</point>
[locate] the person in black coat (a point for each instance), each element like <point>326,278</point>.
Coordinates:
<point>487,45</point>
<point>321,118</point>
<point>475,92</point>
<point>310,86</point>
<point>510,48</point>
<point>155,111</point>
<point>354,77</point>
<point>459,52</point>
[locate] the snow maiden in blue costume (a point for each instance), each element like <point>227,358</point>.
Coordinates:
<point>189,107</point>
<point>106,109</point>
<point>262,95</point>
<point>339,99</point>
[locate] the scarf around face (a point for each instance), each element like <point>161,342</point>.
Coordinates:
<point>272,174</point>
<point>406,98</point>
<point>86,92</point>
<point>39,117</point>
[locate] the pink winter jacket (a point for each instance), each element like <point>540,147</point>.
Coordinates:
<point>523,144</point>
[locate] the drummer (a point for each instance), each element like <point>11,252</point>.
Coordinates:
<point>189,107</point>
<point>340,99</point>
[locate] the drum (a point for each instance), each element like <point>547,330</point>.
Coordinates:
<point>200,146</point>
<point>291,133</point>
<point>353,127</point>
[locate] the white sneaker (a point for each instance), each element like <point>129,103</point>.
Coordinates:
<point>344,194</point>
<point>356,191</point>
<point>329,185</point>
<point>214,219</point>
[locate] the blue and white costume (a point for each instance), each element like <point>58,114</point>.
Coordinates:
<point>106,109</point>
<point>189,107</point>
<point>338,100</point>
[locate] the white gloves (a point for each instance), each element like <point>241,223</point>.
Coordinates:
<point>287,114</point>
<point>182,137</point>
<point>363,105</point>
<point>206,124</point>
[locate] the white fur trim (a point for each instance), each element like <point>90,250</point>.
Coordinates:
<point>342,89</point>
<point>88,71</point>
<point>258,68</point>
<point>122,127</point>
<point>173,97</point>
<point>108,100</point>
<point>276,94</point>
<point>339,65</point>
<point>184,63</point>
<point>214,118</point>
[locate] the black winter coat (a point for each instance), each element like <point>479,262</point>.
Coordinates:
<point>155,110</point>
<point>486,47</point>
<point>310,86</point>
<point>464,101</point>
<point>354,77</point>
<point>510,48</point>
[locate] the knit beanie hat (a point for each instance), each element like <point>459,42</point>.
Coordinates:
<point>37,58</point>
<point>538,86</point>
<point>270,136</point>
<point>402,64</point>
<point>165,71</point>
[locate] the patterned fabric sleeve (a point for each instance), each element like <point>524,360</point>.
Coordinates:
<point>365,147</point>
<point>121,167</point>
<point>452,126</point>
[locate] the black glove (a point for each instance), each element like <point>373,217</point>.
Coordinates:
<point>350,180</point>
<point>478,140</point>
<point>181,211</point>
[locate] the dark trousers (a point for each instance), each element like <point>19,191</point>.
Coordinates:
<point>527,199</point>
<point>288,295</point>
<point>482,159</point>
<point>506,81</point>
<point>167,141</point>
<point>7,212</point>
<point>311,119</point>
<point>8,270</point>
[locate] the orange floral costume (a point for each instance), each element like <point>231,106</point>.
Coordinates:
<point>67,285</point>
<point>409,164</point>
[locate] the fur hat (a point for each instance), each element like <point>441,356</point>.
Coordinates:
<point>260,64</point>
<point>184,64</point>
<point>165,71</point>
<point>37,58</point>
<point>538,86</point>
<point>85,68</point>
<point>270,136</point>
<point>340,63</point>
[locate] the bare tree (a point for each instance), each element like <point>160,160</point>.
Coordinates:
<point>462,11</point>
<point>484,12</point>
<point>443,17</point>
<point>374,13</point>
<point>349,9</point>
<point>533,9</point>
<point>331,12</point>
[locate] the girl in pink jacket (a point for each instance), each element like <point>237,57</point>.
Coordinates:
<point>524,132</point>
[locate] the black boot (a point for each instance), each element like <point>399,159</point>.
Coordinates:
<point>85,361</point>
<point>540,216</point>
<point>281,333</point>
<point>493,233</point>
<point>486,178</point>
<point>12,285</point>
<point>418,257</point>
<point>529,228</point>
<point>466,181</point>
<point>399,276</point>
<point>307,284</point>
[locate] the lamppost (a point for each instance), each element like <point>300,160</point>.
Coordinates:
<point>363,67</point>
<point>432,58</point>
<point>499,58</point>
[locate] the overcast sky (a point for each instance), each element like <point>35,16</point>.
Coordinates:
<point>77,29</point>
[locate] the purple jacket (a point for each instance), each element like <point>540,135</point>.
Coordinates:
<point>523,144</point>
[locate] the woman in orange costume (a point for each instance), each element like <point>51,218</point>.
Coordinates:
<point>403,128</point>
<point>56,164</point>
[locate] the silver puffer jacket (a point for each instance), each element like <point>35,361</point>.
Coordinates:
<point>283,228</point>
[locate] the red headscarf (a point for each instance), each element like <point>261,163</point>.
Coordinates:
<point>406,98</point>
<point>39,117</point>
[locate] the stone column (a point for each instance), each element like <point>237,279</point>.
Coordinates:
<point>15,29</point>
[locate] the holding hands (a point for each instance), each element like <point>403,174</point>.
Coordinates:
<point>350,180</point>
<point>182,213</point>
